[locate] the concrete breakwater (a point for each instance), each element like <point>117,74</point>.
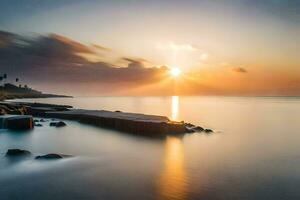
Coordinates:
<point>140,124</point>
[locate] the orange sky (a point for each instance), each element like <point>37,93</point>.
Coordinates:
<point>234,47</point>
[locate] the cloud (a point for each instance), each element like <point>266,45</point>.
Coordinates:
<point>100,47</point>
<point>135,62</point>
<point>172,46</point>
<point>239,70</point>
<point>5,38</point>
<point>204,56</point>
<point>55,59</point>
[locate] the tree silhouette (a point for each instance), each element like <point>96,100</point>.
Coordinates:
<point>3,78</point>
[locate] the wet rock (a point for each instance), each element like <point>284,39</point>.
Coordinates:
<point>42,120</point>
<point>36,120</point>
<point>22,122</point>
<point>61,124</point>
<point>53,123</point>
<point>176,127</point>
<point>17,152</point>
<point>189,129</point>
<point>189,125</point>
<point>51,156</point>
<point>208,131</point>
<point>198,129</point>
<point>38,124</point>
<point>58,124</point>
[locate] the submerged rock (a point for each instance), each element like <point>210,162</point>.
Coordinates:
<point>208,131</point>
<point>198,129</point>
<point>58,124</point>
<point>51,156</point>
<point>17,152</point>
<point>61,124</point>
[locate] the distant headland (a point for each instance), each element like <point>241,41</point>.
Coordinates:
<point>10,91</point>
<point>18,91</point>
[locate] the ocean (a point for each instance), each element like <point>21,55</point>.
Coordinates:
<point>254,153</point>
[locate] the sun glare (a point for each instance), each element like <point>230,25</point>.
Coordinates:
<point>175,72</point>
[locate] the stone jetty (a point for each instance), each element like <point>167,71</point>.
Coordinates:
<point>141,124</point>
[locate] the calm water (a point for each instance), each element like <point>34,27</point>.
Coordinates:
<point>255,153</point>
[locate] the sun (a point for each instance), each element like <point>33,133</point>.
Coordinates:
<point>175,72</point>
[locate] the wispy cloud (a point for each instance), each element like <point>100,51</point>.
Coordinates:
<point>100,47</point>
<point>172,46</point>
<point>239,70</point>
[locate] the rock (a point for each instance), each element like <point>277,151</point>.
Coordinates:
<point>189,125</point>
<point>53,123</point>
<point>38,124</point>
<point>17,152</point>
<point>18,122</point>
<point>58,124</point>
<point>51,156</point>
<point>198,129</point>
<point>176,127</point>
<point>36,120</point>
<point>118,111</point>
<point>189,129</point>
<point>208,131</point>
<point>42,120</point>
<point>61,124</point>
<point>2,111</point>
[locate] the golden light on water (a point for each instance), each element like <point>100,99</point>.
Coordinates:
<point>175,108</point>
<point>173,180</point>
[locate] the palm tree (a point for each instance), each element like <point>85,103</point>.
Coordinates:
<point>3,78</point>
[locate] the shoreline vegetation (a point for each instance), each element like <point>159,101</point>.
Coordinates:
<point>11,91</point>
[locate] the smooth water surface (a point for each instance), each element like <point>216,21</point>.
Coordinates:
<point>254,154</point>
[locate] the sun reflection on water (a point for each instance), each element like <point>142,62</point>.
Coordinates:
<point>175,108</point>
<point>173,180</point>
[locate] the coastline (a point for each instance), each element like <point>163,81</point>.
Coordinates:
<point>31,96</point>
<point>10,91</point>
